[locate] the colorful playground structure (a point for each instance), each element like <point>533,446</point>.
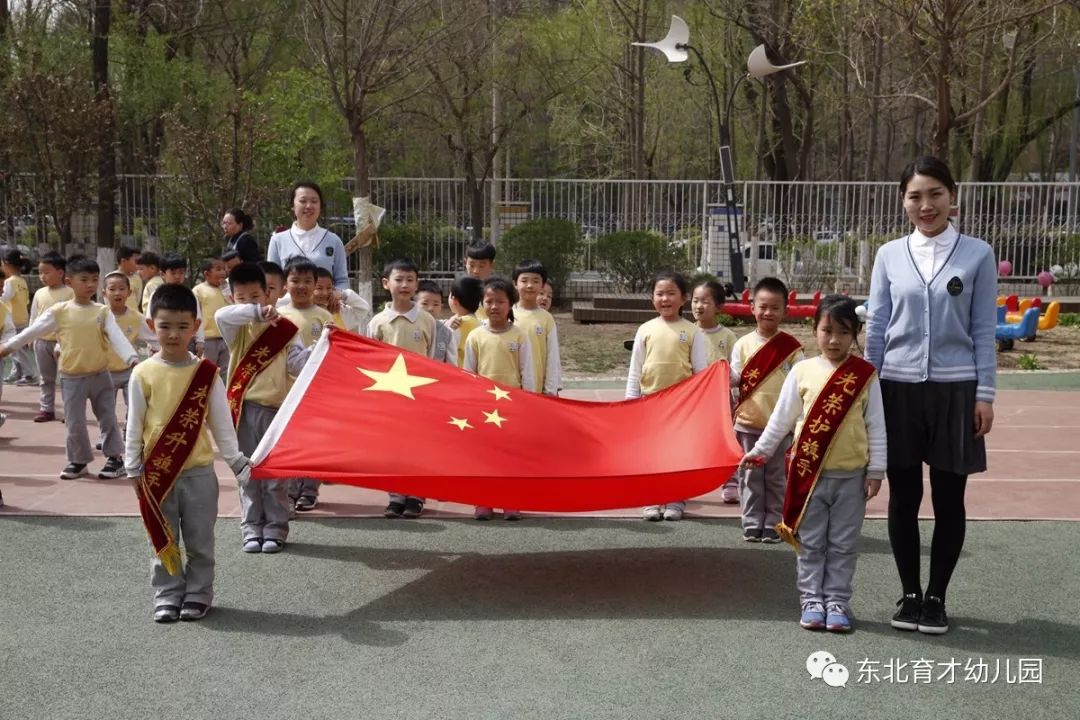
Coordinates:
<point>1021,319</point>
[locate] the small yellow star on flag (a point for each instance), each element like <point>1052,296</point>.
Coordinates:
<point>494,418</point>
<point>461,423</point>
<point>499,393</point>
<point>397,379</point>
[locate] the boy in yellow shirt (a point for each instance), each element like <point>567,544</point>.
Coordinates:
<point>51,268</point>
<point>539,325</point>
<point>127,261</point>
<point>16,298</point>
<point>480,264</point>
<point>264,349</point>
<point>404,324</point>
<point>175,398</point>
<point>211,299</point>
<point>466,295</point>
<point>86,330</point>
<point>150,274</point>
<point>131,323</point>
<point>760,362</point>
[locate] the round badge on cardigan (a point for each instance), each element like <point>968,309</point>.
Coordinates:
<point>955,286</point>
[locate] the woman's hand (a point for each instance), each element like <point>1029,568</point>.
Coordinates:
<point>984,417</point>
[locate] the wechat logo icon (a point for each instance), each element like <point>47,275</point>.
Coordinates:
<point>822,665</point>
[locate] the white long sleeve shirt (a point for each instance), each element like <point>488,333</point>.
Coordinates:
<point>789,409</point>
<point>231,318</point>
<point>46,324</point>
<point>218,419</point>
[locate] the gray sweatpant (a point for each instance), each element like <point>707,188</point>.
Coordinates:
<point>264,504</point>
<point>46,362</point>
<point>191,511</point>
<point>304,487</point>
<point>216,351</point>
<point>762,486</point>
<point>98,389</point>
<point>22,360</point>
<point>829,538</point>
<point>120,382</point>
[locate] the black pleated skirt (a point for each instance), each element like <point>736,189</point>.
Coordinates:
<point>933,423</point>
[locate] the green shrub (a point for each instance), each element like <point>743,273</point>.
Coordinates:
<point>1069,319</point>
<point>726,320</point>
<point>633,257</point>
<point>554,242</point>
<point>1028,361</point>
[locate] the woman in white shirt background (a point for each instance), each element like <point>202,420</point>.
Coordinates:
<point>306,238</point>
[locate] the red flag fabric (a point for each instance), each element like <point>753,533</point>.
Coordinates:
<point>369,414</point>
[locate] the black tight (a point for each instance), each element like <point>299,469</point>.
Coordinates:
<point>905,494</point>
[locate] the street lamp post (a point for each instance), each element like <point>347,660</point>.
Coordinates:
<point>676,48</point>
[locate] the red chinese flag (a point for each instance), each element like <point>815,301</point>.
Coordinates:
<point>369,414</point>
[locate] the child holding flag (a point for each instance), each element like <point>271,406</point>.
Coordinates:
<point>264,349</point>
<point>499,351</point>
<point>175,398</point>
<point>466,294</point>
<point>668,349</point>
<point>833,403</point>
<point>759,363</point>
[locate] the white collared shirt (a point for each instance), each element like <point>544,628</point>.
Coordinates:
<point>307,240</point>
<point>930,253</point>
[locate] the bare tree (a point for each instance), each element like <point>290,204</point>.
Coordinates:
<point>368,49</point>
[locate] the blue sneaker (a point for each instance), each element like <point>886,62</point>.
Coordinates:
<point>813,616</point>
<point>836,620</point>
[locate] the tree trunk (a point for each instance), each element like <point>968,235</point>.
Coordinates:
<point>106,185</point>
<point>872,150</point>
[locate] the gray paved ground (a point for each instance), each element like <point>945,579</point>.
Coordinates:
<point>566,618</point>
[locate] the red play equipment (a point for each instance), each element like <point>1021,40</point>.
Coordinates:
<point>794,310</point>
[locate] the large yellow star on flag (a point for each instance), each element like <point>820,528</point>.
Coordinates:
<point>397,379</point>
<point>494,418</point>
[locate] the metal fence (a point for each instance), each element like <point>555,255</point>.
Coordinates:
<point>815,235</point>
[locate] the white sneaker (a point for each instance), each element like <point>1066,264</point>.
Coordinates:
<point>672,513</point>
<point>253,545</point>
<point>653,512</point>
<point>730,495</point>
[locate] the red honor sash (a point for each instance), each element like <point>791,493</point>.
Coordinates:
<point>162,465</point>
<point>273,339</point>
<point>764,363</point>
<point>809,451</point>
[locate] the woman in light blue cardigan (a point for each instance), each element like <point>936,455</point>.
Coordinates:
<point>930,334</point>
<point>306,239</point>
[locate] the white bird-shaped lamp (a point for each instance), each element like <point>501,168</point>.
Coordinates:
<point>674,43</point>
<point>758,64</point>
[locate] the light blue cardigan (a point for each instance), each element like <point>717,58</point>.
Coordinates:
<point>918,331</point>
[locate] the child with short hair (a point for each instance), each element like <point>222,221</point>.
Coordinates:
<point>499,350</point>
<point>131,323</point>
<point>51,269</point>
<point>7,331</point>
<point>86,330</point>
<point>274,276</point>
<point>127,261</point>
<point>760,361</point>
<point>16,298</point>
<point>174,272</point>
<point>264,349</point>
<point>311,319</point>
<point>667,350</point>
<point>350,311</point>
<point>406,325</point>
<point>230,258</point>
<point>149,270</point>
<point>175,398</point>
<point>833,404</point>
<point>705,305</point>
<point>547,296</point>
<point>429,297</point>
<point>211,299</point>
<point>480,264</point>
<point>539,325</point>
<point>466,294</point>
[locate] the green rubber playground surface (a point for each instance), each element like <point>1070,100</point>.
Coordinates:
<point>547,618</point>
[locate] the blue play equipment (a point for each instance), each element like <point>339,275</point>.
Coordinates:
<point>1008,333</point>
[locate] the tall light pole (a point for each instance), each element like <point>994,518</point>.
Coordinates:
<point>676,48</point>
